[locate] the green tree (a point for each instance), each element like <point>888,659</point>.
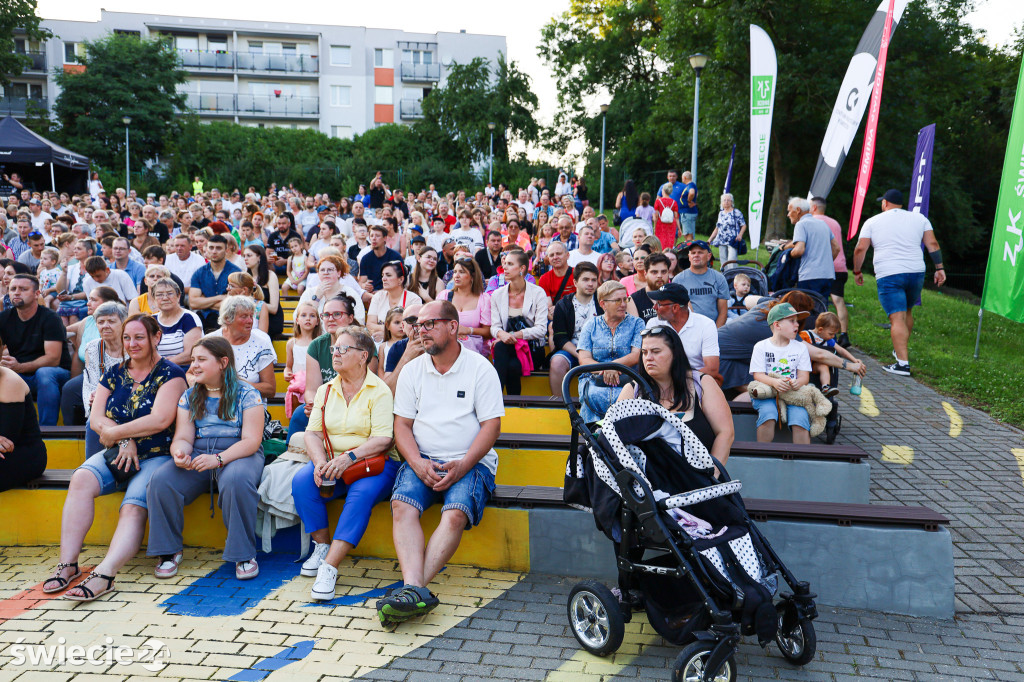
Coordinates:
<point>474,95</point>
<point>123,76</point>
<point>17,16</point>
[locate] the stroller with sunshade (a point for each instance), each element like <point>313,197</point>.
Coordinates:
<point>686,549</point>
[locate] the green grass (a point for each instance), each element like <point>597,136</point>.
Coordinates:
<point>942,349</point>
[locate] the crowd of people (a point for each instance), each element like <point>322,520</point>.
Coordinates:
<point>151,322</point>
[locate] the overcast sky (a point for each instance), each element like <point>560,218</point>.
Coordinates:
<point>519,21</point>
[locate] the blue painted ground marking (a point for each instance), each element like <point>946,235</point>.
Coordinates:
<point>261,669</point>
<point>353,599</point>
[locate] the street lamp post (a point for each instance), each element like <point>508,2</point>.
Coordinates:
<point>604,128</point>
<point>127,167</point>
<point>697,61</point>
<point>490,165</point>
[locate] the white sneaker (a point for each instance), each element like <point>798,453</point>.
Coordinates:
<point>315,559</point>
<point>325,583</point>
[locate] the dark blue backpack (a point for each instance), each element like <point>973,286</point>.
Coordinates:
<point>782,270</point>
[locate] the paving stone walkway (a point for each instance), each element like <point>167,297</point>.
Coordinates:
<point>925,449</point>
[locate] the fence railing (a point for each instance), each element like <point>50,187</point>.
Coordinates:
<point>294,106</point>
<point>245,61</point>
<point>18,106</point>
<point>38,60</point>
<point>420,72</point>
<point>411,108</point>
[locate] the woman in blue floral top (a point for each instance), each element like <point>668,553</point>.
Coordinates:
<point>612,337</point>
<point>218,437</point>
<point>729,231</point>
<point>133,411</point>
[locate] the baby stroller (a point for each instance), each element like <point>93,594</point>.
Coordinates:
<point>750,268</point>
<point>705,578</point>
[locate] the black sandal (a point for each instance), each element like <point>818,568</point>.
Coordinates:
<point>89,595</point>
<point>62,582</point>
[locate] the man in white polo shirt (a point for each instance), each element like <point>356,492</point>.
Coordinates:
<point>448,410</point>
<point>697,332</point>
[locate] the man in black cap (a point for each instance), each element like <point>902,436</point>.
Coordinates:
<point>708,288</point>
<point>698,334</point>
<point>896,236</point>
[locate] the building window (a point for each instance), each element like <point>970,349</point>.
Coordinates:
<point>383,58</point>
<point>288,48</point>
<point>217,43</point>
<point>417,57</point>
<point>383,94</point>
<point>72,51</point>
<point>343,132</point>
<point>190,43</point>
<point>341,96</point>
<point>341,55</point>
<point>255,47</point>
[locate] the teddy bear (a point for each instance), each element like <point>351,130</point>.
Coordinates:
<point>808,396</point>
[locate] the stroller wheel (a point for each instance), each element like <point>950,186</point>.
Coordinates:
<point>596,618</point>
<point>689,665</point>
<point>798,644</point>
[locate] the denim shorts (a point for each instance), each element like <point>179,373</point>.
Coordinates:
<point>689,221</point>
<point>469,494</point>
<point>568,357</point>
<point>135,493</point>
<point>900,292</point>
<point>768,410</point>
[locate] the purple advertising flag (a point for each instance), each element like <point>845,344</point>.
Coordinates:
<point>728,174</point>
<point>921,179</point>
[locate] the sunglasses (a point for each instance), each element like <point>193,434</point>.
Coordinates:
<point>655,330</point>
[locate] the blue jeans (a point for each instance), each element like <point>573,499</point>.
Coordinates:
<point>46,384</point>
<point>360,498</point>
<point>92,441</point>
<point>900,292</point>
<point>298,423</point>
<point>469,494</point>
<point>135,491</point>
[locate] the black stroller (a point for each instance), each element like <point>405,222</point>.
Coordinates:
<point>705,576</point>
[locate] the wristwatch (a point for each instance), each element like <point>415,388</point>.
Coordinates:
<point>351,455</point>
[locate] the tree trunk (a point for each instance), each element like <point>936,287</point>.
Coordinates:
<point>778,227</point>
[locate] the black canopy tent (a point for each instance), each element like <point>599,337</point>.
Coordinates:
<point>29,154</point>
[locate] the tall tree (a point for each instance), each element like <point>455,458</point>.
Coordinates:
<point>18,19</point>
<point>123,76</point>
<point>475,94</point>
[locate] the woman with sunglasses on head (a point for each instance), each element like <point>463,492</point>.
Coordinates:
<point>133,414</point>
<point>694,396</point>
<point>392,295</point>
<point>352,420</point>
<point>611,337</point>
<point>333,278</point>
<point>218,436</point>
<point>474,306</point>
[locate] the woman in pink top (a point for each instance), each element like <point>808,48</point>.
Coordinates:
<point>474,306</point>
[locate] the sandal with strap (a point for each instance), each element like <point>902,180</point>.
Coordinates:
<point>405,603</point>
<point>62,582</point>
<point>88,594</point>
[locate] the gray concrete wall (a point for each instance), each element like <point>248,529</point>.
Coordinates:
<point>802,480</point>
<point>880,568</point>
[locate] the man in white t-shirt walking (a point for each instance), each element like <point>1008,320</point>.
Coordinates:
<point>448,410</point>
<point>896,236</point>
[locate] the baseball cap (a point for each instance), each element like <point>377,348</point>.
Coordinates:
<point>418,239</point>
<point>35,202</point>
<point>893,196</point>
<point>672,292</point>
<point>782,311</point>
<point>416,228</point>
<point>696,242</point>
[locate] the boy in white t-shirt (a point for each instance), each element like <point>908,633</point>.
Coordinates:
<point>786,359</point>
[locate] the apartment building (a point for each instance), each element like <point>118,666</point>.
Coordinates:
<point>341,80</point>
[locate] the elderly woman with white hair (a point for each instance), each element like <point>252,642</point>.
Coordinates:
<point>100,355</point>
<point>253,350</point>
<point>729,231</point>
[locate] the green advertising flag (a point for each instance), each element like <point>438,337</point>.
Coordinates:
<point>1004,278</point>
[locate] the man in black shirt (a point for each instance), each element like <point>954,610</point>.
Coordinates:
<point>640,304</point>
<point>36,346</point>
<point>278,250</point>
<point>489,258</point>
<point>165,228</point>
<point>376,258</point>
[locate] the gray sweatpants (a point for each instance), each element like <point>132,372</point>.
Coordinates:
<point>171,488</point>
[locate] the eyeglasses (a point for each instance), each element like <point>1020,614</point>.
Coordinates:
<point>334,316</point>
<point>615,300</point>
<point>428,325</point>
<point>342,349</point>
<point>163,294</point>
<point>655,330</point>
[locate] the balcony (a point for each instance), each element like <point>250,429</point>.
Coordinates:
<point>423,73</point>
<point>38,61</point>
<point>199,60</point>
<point>17,106</point>
<point>227,104</point>
<point>411,109</point>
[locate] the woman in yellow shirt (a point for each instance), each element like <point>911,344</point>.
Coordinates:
<point>356,411</point>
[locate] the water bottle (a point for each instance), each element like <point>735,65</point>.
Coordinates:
<point>855,386</point>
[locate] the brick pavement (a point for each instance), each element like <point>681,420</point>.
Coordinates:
<point>504,626</point>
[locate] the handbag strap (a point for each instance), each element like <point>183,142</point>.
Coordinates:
<point>323,425</point>
<point>561,287</point>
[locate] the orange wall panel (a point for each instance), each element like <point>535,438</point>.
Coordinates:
<point>383,113</point>
<point>383,76</point>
